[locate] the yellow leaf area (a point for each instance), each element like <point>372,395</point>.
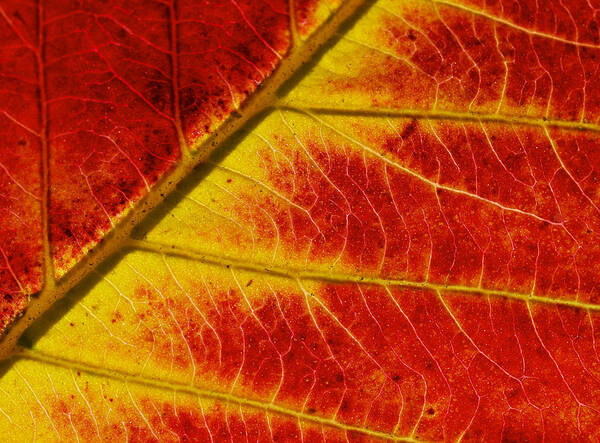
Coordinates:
<point>405,248</point>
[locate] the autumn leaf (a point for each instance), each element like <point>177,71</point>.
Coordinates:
<point>107,107</point>
<point>398,243</point>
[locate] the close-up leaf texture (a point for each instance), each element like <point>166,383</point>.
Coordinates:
<point>300,220</point>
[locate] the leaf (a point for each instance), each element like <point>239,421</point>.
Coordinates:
<point>404,247</point>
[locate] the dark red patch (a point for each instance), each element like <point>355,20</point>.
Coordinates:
<point>20,162</point>
<point>109,75</point>
<point>226,50</point>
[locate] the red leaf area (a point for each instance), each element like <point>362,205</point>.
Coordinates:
<point>509,208</point>
<point>20,171</point>
<point>460,224</point>
<point>443,204</point>
<point>401,361</point>
<point>109,91</point>
<point>507,58</point>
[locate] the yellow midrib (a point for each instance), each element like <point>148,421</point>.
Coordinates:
<point>338,277</point>
<point>428,114</point>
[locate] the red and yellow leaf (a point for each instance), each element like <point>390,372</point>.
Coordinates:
<point>402,246</point>
<point>111,96</point>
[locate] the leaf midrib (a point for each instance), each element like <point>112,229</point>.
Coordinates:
<point>302,274</point>
<point>157,383</point>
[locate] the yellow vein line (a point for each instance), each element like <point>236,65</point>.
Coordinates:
<point>126,377</point>
<point>440,115</point>
<point>503,21</point>
<point>335,277</point>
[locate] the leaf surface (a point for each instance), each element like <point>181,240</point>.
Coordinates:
<point>131,88</point>
<point>101,101</point>
<point>404,247</point>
